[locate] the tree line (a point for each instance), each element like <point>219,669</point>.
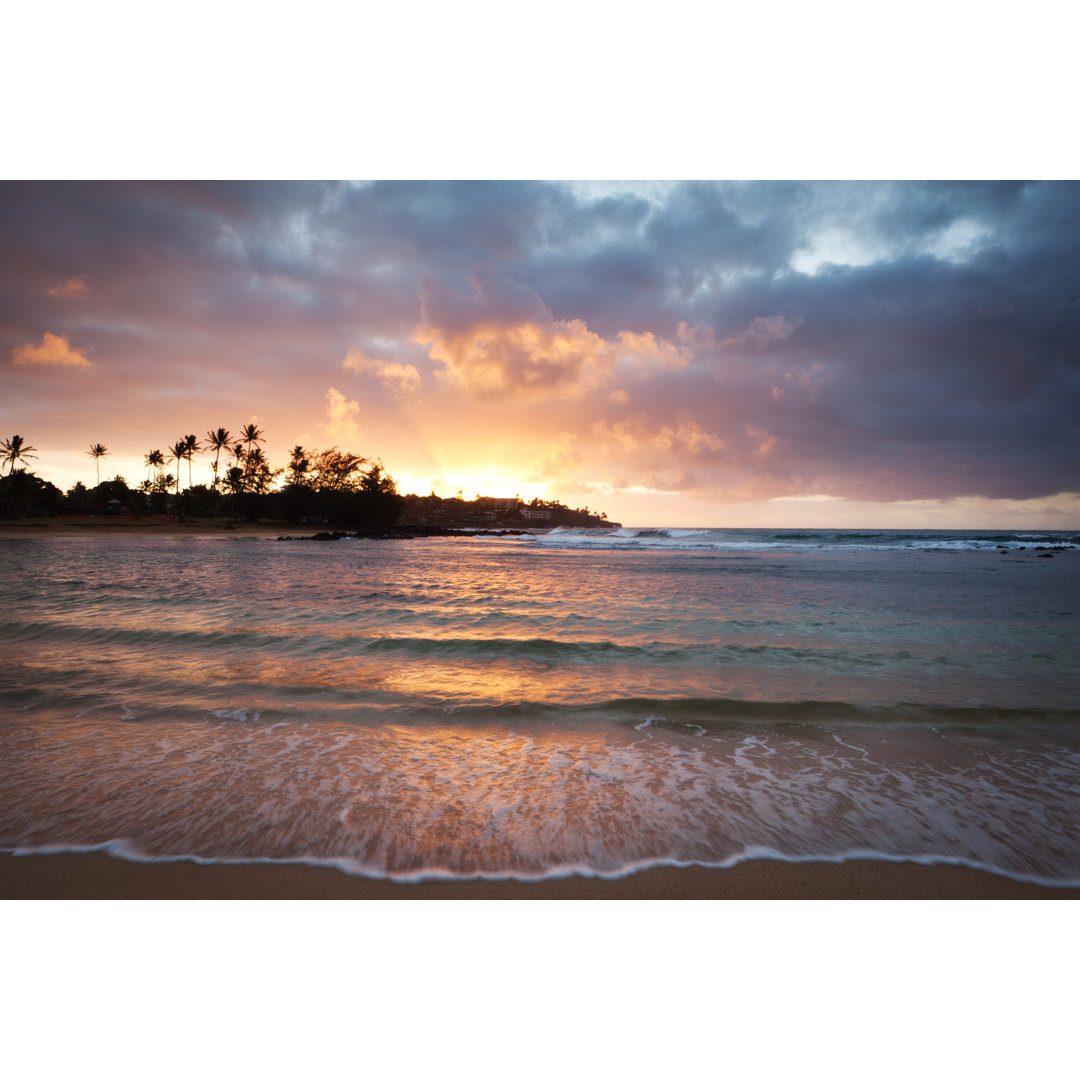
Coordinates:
<point>331,486</point>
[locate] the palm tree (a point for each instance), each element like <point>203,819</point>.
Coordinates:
<point>257,475</point>
<point>191,448</point>
<point>251,435</point>
<point>16,450</point>
<point>154,460</point>
<point>97,451</point>
<point>299,465</point>
<point>178,451</point>
<point>217,441</point>
<point>238,455</point>
<point>234,477</point>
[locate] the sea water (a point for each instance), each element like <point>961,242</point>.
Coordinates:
<point>572,701</point>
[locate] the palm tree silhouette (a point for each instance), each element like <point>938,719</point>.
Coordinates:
<point>217,441</point>
<point>234,477</point>
<point>191,448</point>
<point>154,460</point>
<point>97,451</point>
<point>250,435</point>
<point>16,450</point>
<point>178,451</point>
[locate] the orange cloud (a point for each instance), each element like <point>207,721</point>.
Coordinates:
<point>765,444</point>
<point>341,417</point>
<point>749,463</point>
<point>650,352</point>
<point>688,440</point>
<point>561,459</point>
<point>54,349</point>
<point>693,438</point>
<point>75,288</point>
<point>527,360</point>
<point>503,341</point>
<point>397,378</point>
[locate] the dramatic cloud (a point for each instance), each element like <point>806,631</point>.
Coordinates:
<point>502,341</point>
<point>397,378</point>
<point>74,288</point>
<point>888,342</point>
<point>561,461</point>
<point>646,351</point>
<point>762,333</point>
<point>341,417</point>
<point>54,349</point>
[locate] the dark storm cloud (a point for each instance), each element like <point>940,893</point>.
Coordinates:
<point>936,357</point>
<point>701,235</point>
<point>446,225</point>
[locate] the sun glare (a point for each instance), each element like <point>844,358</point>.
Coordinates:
<point>471,482</point>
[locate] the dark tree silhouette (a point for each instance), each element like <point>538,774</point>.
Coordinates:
<point>154,460</point>
<point>217,441</point>
<point>191,448</point>
<point>178,451</point>
<point>251,435</point>
<point>15,449</point>
<point>22,494</point>
<point>299,466</point>
<point>97,451</point>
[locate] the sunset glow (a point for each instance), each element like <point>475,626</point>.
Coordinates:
<point>703,354</point>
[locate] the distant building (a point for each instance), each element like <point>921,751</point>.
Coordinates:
<point>486,502</point>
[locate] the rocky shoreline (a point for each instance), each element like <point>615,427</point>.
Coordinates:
<point>406,532</point>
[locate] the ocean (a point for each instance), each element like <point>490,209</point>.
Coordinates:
<point>569,702</point>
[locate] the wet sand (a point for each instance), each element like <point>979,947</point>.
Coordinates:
<point>102,877</point>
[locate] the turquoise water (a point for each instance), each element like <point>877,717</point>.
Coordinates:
<point>561,702</point>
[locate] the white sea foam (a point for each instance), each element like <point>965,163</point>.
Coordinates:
<point>757,541</point>
<point>456,801</point>
<point>122,850</point>
<point>241,715</point>
<point>521,709</point>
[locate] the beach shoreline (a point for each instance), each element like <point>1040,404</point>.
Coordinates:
<point>99,876</point>
<point>218,528</point>
<point>41,528</point>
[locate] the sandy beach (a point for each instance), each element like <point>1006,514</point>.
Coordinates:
<point>135,675</point>
<point>103,877</point>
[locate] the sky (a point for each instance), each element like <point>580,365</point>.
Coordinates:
<point>695,353</point>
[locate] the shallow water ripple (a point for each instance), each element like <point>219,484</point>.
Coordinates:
<point>544,704</point>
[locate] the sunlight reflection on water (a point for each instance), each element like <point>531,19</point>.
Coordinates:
<point>491,707</point>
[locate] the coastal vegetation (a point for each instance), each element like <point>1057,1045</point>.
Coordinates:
<point>97,451</point>
<point>16,450</point>
<point>331,487</point>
